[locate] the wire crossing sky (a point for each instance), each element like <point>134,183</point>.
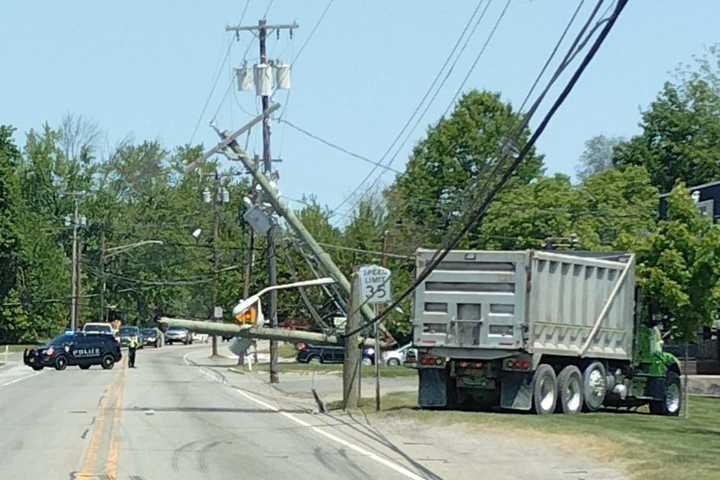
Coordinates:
<point>146,69</point>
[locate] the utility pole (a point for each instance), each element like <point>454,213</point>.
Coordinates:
<point>249,259</point>
<point>380,309</point>
<point>352,363</point>
<point>103,281</point>
<point>216,259</point>
<point>76,220</point>
<point>263,29</point>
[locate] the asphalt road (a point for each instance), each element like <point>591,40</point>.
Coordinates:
<point>174,417</point>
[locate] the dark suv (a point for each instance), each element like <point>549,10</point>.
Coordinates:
<point>75,349</point>
<point>329,354</point>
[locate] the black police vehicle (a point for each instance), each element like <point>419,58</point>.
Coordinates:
<point>78,349</point>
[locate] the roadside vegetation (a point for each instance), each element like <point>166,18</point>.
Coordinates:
<point>646,446</point>
<point>336,369</point>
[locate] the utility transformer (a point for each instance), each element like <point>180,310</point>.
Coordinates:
<point>536,330</point>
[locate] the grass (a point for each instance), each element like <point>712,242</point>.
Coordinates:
<point>286,350</point>
<point>332,369</point>
<point>17,348</point>
<point>648,446</point>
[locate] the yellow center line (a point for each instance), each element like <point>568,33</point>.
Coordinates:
<point>110,395</point>
<point>112,459</point>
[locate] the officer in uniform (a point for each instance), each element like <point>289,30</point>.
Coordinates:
<point>132,346</point>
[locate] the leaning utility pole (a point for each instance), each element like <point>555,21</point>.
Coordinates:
<point>263,29</point>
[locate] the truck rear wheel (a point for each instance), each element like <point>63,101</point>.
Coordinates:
<point>544,390</point>
<point>671,404</point>
<point>570,390</point>
<point>594,386</point>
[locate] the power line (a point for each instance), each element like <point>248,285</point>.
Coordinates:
<point>217,79</point>
<point>417,107</point>
<point>337,147</point>
<point>435,94</point>
<point>479,213</point>
<point>312,32</point>
<point>478,56</point>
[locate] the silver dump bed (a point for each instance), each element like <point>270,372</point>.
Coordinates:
<point>539,302</point>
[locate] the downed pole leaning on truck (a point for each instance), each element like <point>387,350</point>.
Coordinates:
<point>539,330</point>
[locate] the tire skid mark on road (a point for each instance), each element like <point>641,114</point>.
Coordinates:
<point>318,430</point>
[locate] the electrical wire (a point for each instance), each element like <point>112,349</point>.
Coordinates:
<point>479,212</point>
<point>478,56</point>
<point>217,78</point>
<point>312,32</point>
<point>420,104</point>
<point>337,147</point>
<point>434,96</point>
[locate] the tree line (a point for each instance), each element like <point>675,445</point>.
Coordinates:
<point>136,191</point>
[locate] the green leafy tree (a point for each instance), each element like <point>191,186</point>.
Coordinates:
<point>680,138</point>
<point>597,156</point>
<point>679,266</point>
<point>430,194</point>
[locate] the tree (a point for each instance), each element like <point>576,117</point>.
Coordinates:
<point>597,156</point>
<point>679,266</point>
<point>426,199</point>
<point>680,138</point>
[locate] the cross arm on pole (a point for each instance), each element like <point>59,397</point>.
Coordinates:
<point>220,147</point>
<point>252,28</point>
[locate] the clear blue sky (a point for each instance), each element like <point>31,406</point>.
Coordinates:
<point>146,67</point>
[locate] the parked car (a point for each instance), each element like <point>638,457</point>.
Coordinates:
<point>98,327</point>
<point>81,349</point>
<point>178,335</point>
<point>129,331</point>
<point>200,337</point>
<point>329,354</point>
<point>397,357</point>
<point>152,336</point>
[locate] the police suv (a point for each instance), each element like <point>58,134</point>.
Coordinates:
<point>79,349</point>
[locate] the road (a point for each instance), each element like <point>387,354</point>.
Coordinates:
<point>172,417</point>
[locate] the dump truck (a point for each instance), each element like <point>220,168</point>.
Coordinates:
<point>545,331</point>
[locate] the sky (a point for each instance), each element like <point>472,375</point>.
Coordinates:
<point>146,69</point>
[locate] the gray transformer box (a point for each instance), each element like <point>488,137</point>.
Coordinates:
<point>490,304</point>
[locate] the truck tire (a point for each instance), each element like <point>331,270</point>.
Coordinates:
<point>594,386</point>
<point>393,362</point>
<point>544,390</point>
<point>60,362</point>
<point>672,403</point>
<point>570,390</point>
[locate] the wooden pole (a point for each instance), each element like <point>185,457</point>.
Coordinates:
<point>352,352</point>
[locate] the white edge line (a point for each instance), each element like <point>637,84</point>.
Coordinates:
<point>392,465</point>
<point>20,379</point>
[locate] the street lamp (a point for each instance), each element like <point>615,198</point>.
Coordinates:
<point>111,252</point>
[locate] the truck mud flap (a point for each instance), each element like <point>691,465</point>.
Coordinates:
<point>432,391</point>
<point>516,391</point>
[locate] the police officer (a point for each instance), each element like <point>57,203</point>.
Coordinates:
<point>132,346</point>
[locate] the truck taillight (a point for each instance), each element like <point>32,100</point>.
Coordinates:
<point>431,360</point>
<point>517,364</point>
<point>463,364</point>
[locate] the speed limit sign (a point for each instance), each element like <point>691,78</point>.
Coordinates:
<point>375,284</point>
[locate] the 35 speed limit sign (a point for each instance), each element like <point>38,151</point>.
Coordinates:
<point>375,284</point>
